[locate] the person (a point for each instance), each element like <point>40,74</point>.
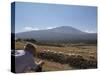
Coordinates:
<point>32,49</point>
<point>24,59</point>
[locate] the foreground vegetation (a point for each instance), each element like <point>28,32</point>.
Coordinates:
<point>68,56</point>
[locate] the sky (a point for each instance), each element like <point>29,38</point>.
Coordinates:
<point>39,16</point>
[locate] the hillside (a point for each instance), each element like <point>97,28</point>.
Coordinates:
<point>63,34</point>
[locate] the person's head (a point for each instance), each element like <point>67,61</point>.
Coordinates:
<point>30,47</point>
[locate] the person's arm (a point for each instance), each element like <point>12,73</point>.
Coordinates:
<point>39,66</point>
<point>40,63</point>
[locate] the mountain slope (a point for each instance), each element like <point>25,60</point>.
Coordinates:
<point>67,29</point>
<point>61,34</point>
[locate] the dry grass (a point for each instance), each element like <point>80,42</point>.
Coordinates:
<point>86,51</point>
<point>54,66</point>
<point>19,45</point>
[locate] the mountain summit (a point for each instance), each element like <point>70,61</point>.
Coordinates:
<point>67,29</point>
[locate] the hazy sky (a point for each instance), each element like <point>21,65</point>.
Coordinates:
<point>35,16</point>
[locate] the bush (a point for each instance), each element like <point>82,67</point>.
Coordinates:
<point>76,61</point>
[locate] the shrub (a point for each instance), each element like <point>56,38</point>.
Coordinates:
<point>76,61</point>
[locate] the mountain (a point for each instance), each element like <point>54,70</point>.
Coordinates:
<point>67,30</point>
<point>63,34</point>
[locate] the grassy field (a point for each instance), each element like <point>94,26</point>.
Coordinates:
<point>54,66</point>
<point>87,51</point>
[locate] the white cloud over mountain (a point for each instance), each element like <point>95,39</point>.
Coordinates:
<point>30,28</point>
<point>90,31</point>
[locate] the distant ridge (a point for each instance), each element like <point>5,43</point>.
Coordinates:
<point>63,34</point>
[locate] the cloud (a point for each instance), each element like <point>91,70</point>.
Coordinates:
<point>30,28</point>
<point>50,27</point>
<point>90,31</point>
